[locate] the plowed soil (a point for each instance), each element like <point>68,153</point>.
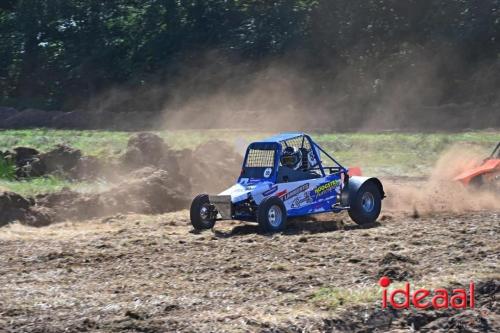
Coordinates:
<point>138,273</point>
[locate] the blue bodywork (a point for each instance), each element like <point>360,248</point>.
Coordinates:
<point>315,189</point>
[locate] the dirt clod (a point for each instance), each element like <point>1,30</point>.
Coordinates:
<point>395,273</point>
<point>63,158</point>
<point>24,154</point>
<point>144,149</point>
<point>391,258</point>
<point>12,207</point>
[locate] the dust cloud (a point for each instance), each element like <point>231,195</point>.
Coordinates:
<point>439,193</point>
<point>406,91</point>
<point>409,90</point>
<point>265,98</point>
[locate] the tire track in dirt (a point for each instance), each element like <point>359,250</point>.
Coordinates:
<point>151,273</point>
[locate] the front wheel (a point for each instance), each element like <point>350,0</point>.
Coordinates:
<point>201,213</point>
<point>271,215</point>
<point>366,205</point>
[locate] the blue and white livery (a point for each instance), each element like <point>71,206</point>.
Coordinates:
<point>269,190</point>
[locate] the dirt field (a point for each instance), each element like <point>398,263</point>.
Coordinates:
<point>139,273</point>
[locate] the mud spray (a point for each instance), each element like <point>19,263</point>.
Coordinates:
<point>439,193</point>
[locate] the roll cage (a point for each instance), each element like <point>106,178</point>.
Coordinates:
<point>496,152</point>
<point>266,154</point>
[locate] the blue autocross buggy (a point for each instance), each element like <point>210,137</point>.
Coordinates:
<point>284,176</point>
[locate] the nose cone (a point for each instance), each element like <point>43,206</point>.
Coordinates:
<point>237,192</point>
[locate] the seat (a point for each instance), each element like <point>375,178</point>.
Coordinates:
<point>286,174</point>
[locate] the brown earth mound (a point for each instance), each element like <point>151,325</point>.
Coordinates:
<point>211,167</point>
<point>148,191</point>
<point>207,169</point>
<point>30,162</point>
<point>150,150</point>
<point>61,159</point>
<point>23,154</point>
<point>144,149</point>
<point>149,178</point>
<point>14,207</point>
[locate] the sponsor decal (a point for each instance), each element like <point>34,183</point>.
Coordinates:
<point>270,191</point>
<point>298,202</point>
<point>268,172</point>
<point>295,191</point>
<point>280,194</point>
<point>327,187</point>
<point>424,298</point>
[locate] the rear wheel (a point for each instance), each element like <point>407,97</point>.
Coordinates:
<point>477,182</point>
<point>366,205</point>
<point>271,215</point>
<point>486,182</point>
<point>201,213</point>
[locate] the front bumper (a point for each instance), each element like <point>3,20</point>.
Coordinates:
<point>223,205</point>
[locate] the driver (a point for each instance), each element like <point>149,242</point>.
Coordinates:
<point>291,158</point>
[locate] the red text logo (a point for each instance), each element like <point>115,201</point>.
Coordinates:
<point>425,298</point>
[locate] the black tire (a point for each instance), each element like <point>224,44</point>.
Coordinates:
<point>266,211</point>
<point>197,220</point>
<point>361,211</point>
<point>477,183</point>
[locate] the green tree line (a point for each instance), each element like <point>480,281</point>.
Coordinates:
<point>60,54</point>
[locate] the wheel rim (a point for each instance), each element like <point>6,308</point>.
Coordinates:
<point>205,213</point>
<point>367,202</point>
<point>275,216</point>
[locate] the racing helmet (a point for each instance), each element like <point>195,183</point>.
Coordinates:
<point>291,158</point>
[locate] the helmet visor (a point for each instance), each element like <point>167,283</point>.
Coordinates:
<point>289,160</point>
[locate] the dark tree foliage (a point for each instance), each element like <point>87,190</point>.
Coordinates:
<point>60,54</point>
